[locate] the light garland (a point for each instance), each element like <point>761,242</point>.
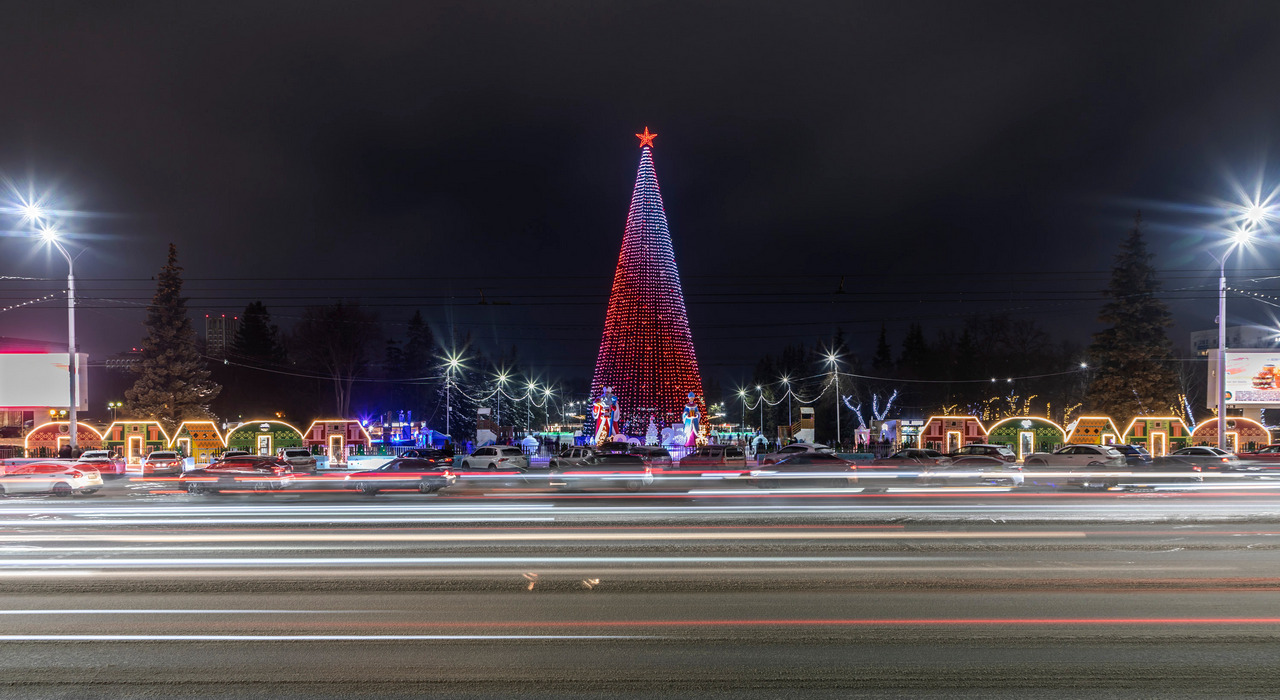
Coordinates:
<point>646,351</point>
<point>29,302</point>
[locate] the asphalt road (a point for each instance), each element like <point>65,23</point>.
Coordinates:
<point>719,594</point>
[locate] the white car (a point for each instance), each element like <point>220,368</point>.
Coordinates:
<point>300,458</point>
<point>59,478</point>
<point>1075,456</point>
<point>496,457</point>
<point>799,448</point>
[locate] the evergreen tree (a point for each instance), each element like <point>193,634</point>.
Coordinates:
<point>882,361</point>
<point>1131,361</point>
<point>257,341</point>
<point>173,383</point>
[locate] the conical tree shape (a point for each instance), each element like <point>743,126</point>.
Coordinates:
<point>646,355</point>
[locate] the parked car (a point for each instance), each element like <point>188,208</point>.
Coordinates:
<point>1000,452</point>
<point>1078,456</point>
<point>571,455</point>
<point>975,470</point>
<point>439,457</point>
<point>656,458</point>
<point>1269,455</point>
<point>903,467</point>
<point>235,453</point>
<point>792,449</point>
<point>300,458</point>
<point>1134,455</point>
<point>822,469</point>
<point>106,462</point>
<point>1208,459</point>
<point>496,457</point>
<point>59,478</point>
<point>603,471</point>
<point>158,463</point>
<point>613,448</point>
<point>714,458</point>
<point>1085,466</point>
<point>427,476</point>
<point>239,473</point>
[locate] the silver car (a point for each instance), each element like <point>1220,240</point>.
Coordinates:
<point>300,458</point>
<point>496,457</point>
<point>58,478</point>
<point>571,456</point>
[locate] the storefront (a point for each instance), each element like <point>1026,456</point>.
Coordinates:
<point>950,433</point>
<point>338,439</point>
<point>45,440</point>
<point>199,439</point>
<point>1093,430</point>
<point>264,437</point>
<point>1160,435</point>
<point>134,440</point>
<point>1243,434</point>
<point>1027,434</point>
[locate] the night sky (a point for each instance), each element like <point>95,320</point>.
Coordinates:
<point>942,158</point>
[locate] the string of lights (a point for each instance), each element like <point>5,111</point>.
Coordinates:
<point>29,302</point>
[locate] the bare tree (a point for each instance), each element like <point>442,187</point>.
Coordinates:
<point>335,341</point>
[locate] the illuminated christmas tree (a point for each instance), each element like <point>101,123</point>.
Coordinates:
<point>646,355</point>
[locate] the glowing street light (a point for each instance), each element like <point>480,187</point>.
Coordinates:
<point>833,359</point>
<point>786,381</point>
<point>1249,219</point>
<point>742,399</point>
<point>502,381</point>
<point>49,234</point>
<point>452,362</point>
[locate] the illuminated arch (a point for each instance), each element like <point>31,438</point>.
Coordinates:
<point>1208,430</point>
<point>26,439</point>
<point>965,420</point>
<point>1084,423</point>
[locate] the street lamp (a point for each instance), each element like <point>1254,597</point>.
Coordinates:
<point>452,362</point>
<point>113,405</point>
<point>759,401</point>
<point>49,234</point>
<point>502,380</point>
<point>528,406</point>
<point>1248,219</point>
<point>786,381</point>
<point>742,400</point>
<point>834,360</point>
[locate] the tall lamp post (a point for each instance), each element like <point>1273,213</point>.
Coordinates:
<point>786,381</point>
<point>759,401</point>
<point>528,406</point>
<point>502,380</point>
<point>834,360</point>
<point>50,236</point>
<point>451,363</point>
<point>742,400</point>
<point>1253,216</point>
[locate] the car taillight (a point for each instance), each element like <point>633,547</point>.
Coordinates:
<point>76,473</point>
<point>502,459</point>
<point>277,470</point>
<point>1224,459</point>
<point>1195,468</point>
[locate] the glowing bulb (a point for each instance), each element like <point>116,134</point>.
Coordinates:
<point>49,233</point>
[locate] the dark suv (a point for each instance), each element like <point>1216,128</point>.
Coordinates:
<point>1134,455</point>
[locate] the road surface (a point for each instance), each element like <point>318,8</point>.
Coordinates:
<point>972,594</point>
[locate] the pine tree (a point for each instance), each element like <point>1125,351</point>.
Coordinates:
<point>173,383</point>
<point>1131,361</point>
<point>257,341</point>
<point>882,361</point>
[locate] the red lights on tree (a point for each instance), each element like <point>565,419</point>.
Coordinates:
<point>646,354</point>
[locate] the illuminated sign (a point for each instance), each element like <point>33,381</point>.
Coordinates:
<point>41,380</point>
<point>1252,377</point>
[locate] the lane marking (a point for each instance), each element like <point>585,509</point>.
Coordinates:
<point>303,637</point>
<point>548,536</point>
<point>129,611</point>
